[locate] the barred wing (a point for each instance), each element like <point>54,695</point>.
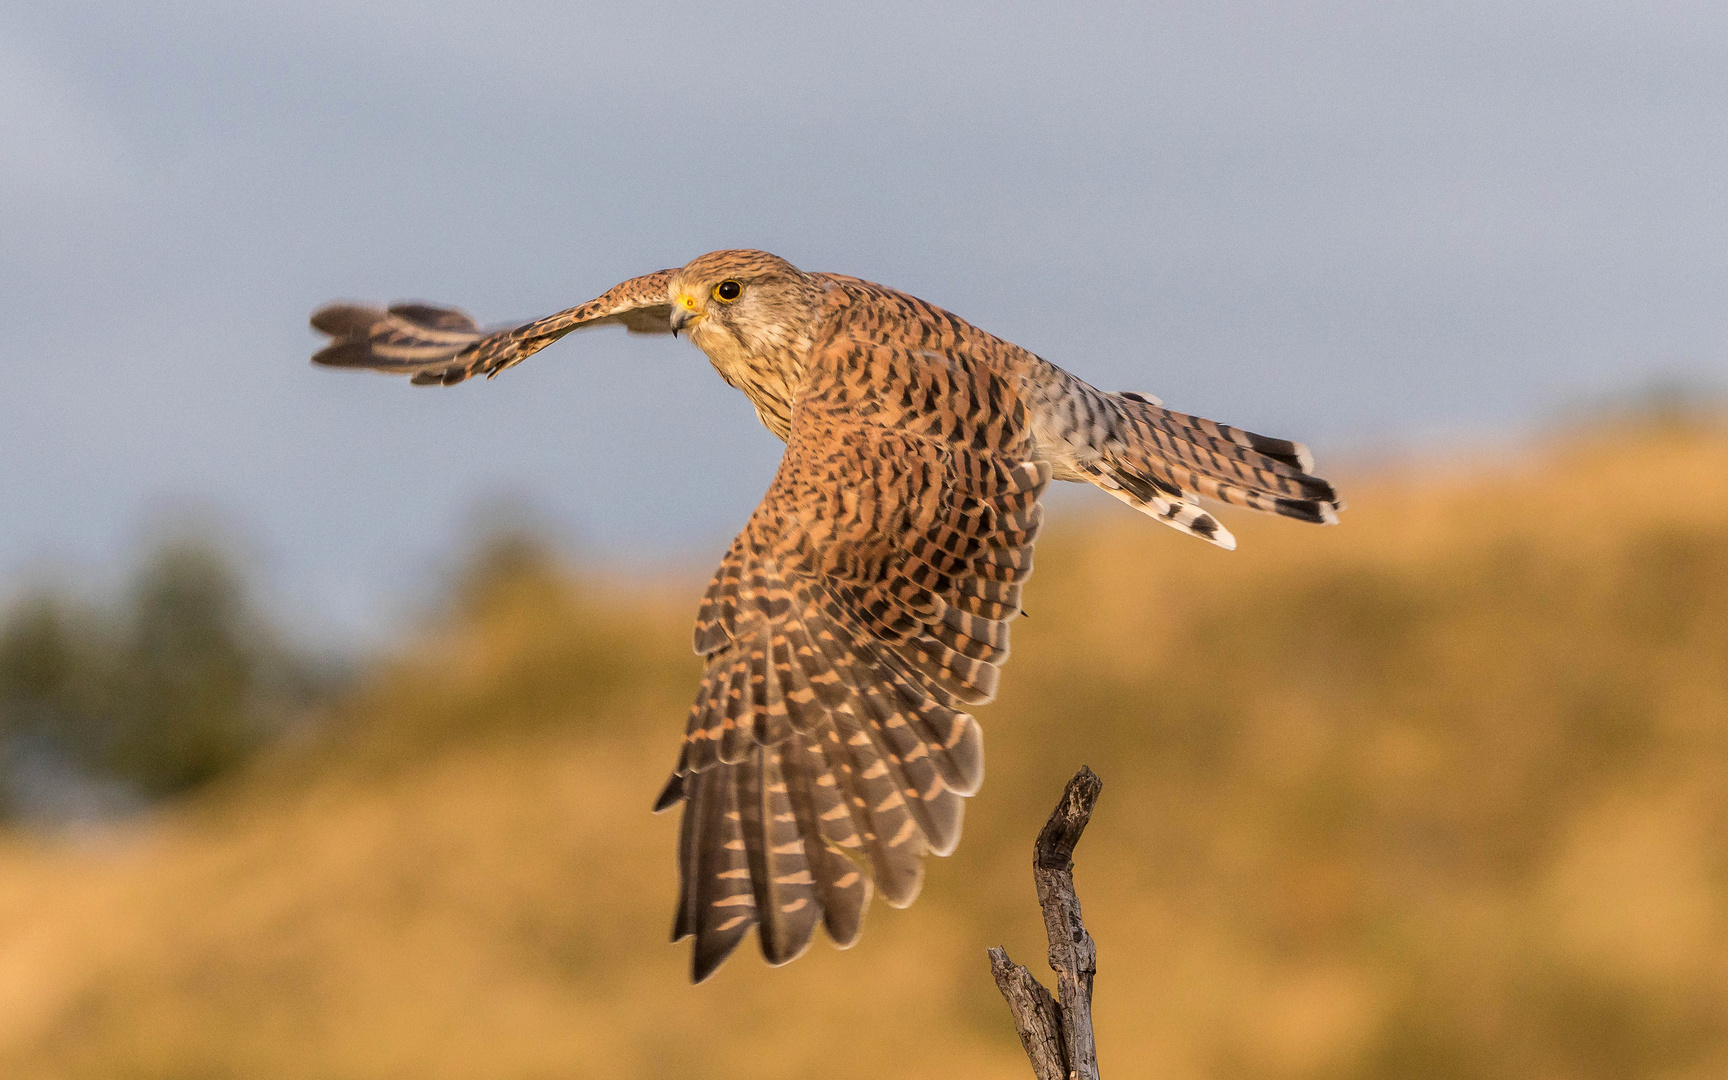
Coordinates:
<point>441,345</point>
<point>863,608</point>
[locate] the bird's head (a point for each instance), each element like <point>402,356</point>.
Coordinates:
<point>752,300</point>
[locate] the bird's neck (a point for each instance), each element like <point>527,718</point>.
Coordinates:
<point>768,372</point>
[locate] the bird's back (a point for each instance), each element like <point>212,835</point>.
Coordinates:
<point>1152,458</point>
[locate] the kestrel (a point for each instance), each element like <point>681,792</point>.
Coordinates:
<point>864,609</point>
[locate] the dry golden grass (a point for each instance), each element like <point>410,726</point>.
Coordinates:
<point>1439,793</point>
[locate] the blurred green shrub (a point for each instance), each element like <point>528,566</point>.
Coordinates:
<point>175,683</point>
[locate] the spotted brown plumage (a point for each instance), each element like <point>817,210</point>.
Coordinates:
<point>865,607</point>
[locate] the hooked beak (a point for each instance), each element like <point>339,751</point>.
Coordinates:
<point>683,313</point>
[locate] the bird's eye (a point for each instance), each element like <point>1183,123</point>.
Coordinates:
<point>727,291</point>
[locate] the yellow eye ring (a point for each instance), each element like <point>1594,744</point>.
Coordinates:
<point>728,291</point>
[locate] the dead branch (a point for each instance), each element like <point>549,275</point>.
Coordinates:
<point>1057,1032</point>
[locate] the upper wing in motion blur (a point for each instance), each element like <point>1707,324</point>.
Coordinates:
<point>859,614</point>
<point>439,345</point>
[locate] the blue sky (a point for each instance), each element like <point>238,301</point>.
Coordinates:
<point>1363,225</point>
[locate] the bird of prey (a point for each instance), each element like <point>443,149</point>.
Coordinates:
<point>864,609</point>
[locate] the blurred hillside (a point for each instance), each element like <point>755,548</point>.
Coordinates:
<point>1442,792</point>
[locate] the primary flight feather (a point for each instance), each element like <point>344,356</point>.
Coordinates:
<point>865,607</point>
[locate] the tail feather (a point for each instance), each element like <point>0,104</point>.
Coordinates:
<point>1173,509</point>
<point>1162,462</point>
<point>1195,429</point>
